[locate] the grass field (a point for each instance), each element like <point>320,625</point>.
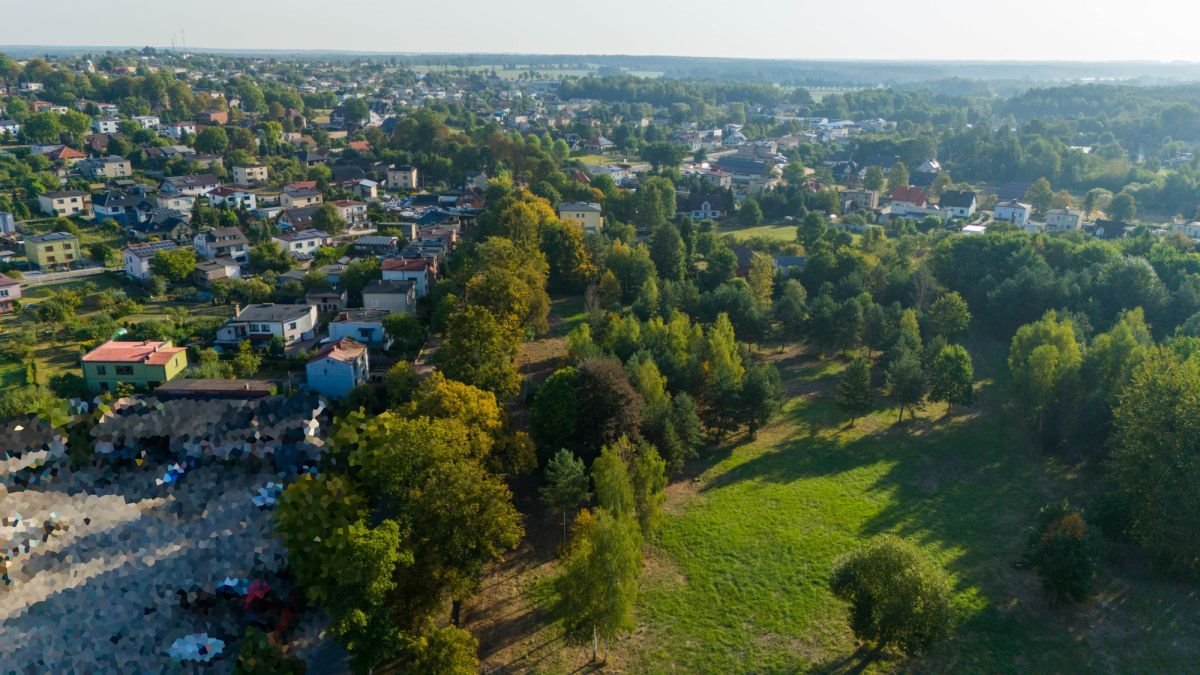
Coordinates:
<point>779,231</point>
<point>737,579</point>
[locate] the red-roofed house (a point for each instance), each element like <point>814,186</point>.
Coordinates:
<point>909,196</point>
<point>140,364</point>
<point>421,271</point>
<point>10,292</point>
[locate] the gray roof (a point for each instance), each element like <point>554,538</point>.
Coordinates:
<point>49,236</point>
<point>579,206</point>
<point>361,314</point>
<point>387,287</point>
<point>376,240</point>
<point>272,312</point>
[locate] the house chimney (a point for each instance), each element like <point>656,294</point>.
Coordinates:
<point>237,310</point>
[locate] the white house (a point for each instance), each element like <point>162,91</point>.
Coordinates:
<point>1064,220</point>
<point>338,368</point>
<point>303,242</point>
<point>958,203</point>
<point>222,241</point>
<point>11,127</point>
<point>420,271</point>
<point>1014,212</point>
<point>194,185</point>
<point>148,121</point>
<point>393,296</point>
<point>262,322</point>
<point>106,125</point>
<point>178,129</point>
<point>353,212</point>
<point>250,175</point>
<point>137,257</point>
<point>586,214</point>
<point>232,197</point>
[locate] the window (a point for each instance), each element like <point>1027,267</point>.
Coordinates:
<point>292,326</point>
<point>124,370</point>
<point>103,386</point>
<point>101,370</point>
<point>48,248</point>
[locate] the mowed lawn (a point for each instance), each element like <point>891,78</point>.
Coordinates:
<point>738,578</point>
<point>780,232</point>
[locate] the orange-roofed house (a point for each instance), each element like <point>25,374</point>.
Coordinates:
<point>338,368</point>
<point>144,365</point>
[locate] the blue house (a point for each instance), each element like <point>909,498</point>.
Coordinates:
<point>339,367</point>
<point>363,325</point>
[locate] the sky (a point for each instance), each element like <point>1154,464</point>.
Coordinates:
<point>1026,30</point>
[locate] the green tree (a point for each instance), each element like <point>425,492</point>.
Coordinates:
<point>897,595</point>
<point>685,433</point>
<point>723,372</point>
<point>854,395</point>
<point>1155,461</point>
<point>610,475</point>
<point>1123,207</point>
<point>811,230</point>
<point>554,411</point>
<point>212,140</point>
<point>762,279</point>
<point>259,655</point>
<point>791,309</point>
<point>951,376</point>
<point>663,155</point>
<point>608,406</point>
<point>599,582</point>
<point>906,380</point>
<point>566,485</point>
<point>668,252</point>
<point>1064,551</point>
<point>327,219</point>
<point>750,213</point>
<point>874,178</point>
<point>1040,195</point>
<point>648,473</point>
<point>246,362</point>
<point>1044,358</point>
<point>897,176</point>
<point>270,256</point>
<point>407,332</point>
<point>479,350</point>
<point>175,265</point>
<point>949,317</point>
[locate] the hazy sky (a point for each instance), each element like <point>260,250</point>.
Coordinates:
<point>863,29</point>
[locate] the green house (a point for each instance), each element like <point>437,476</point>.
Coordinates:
<point>144,365</point>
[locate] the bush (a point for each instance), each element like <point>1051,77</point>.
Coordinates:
<point>1062,548</point>
<point>898,597</point>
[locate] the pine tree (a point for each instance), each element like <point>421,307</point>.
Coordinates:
<point>854,395</point>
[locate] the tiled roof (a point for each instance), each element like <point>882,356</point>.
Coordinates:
<point>344,350</point>
<point>151,353</point>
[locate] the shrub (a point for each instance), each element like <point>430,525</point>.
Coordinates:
<point>1062,548</point>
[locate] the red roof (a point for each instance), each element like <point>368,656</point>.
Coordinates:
<point>344,350</point>
<point>911,194</point>
<point>65,152</point>
<point>6,280</point>
<point>151,353</point>
<point>360,145</point>
<point>301,185</point>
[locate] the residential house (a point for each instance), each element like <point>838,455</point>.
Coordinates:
<point>125,209</point>
<point>1111,229</point>
<point>403,177</point>
<point>66,203</point>
<point>1064,220</point>
<point>218,117</point>
<point>859,200</point>
<point>148,121</point>
<point>377,244</point>
<point>10,292</point>
<point>52,249</point>
<point>366,189</point>
<point>262,322</point>
<point>166,224</point>
<point>222,241</point>
<point>235,198</point>
<point>353,212</point>
<point>587,215</point>
<point>111,166</point>
<point>178,130</point>
<point>10,127</point>
<point>59,154</point>
<point>137,257</point>
<point>600,145</point>
<point>958,203</point>
<point>909,195</point>
<point>338,368</point>
<point>326,301</point>
<point>140,364</point>
<point>393,296</point>
<point>207,271</point>
<point>106,125</point>
<point>1013,211</point>
<point>250,175</point>
<point>8,223</point>
<point>295,198</point>
<point>704,206</point>
<point>420,271</point>
<point>312,158</point>
<point>363,325</point>
<point>204,389</point>
<point>303,243</point>
<point>297,219</point>
<point>194,185</point>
